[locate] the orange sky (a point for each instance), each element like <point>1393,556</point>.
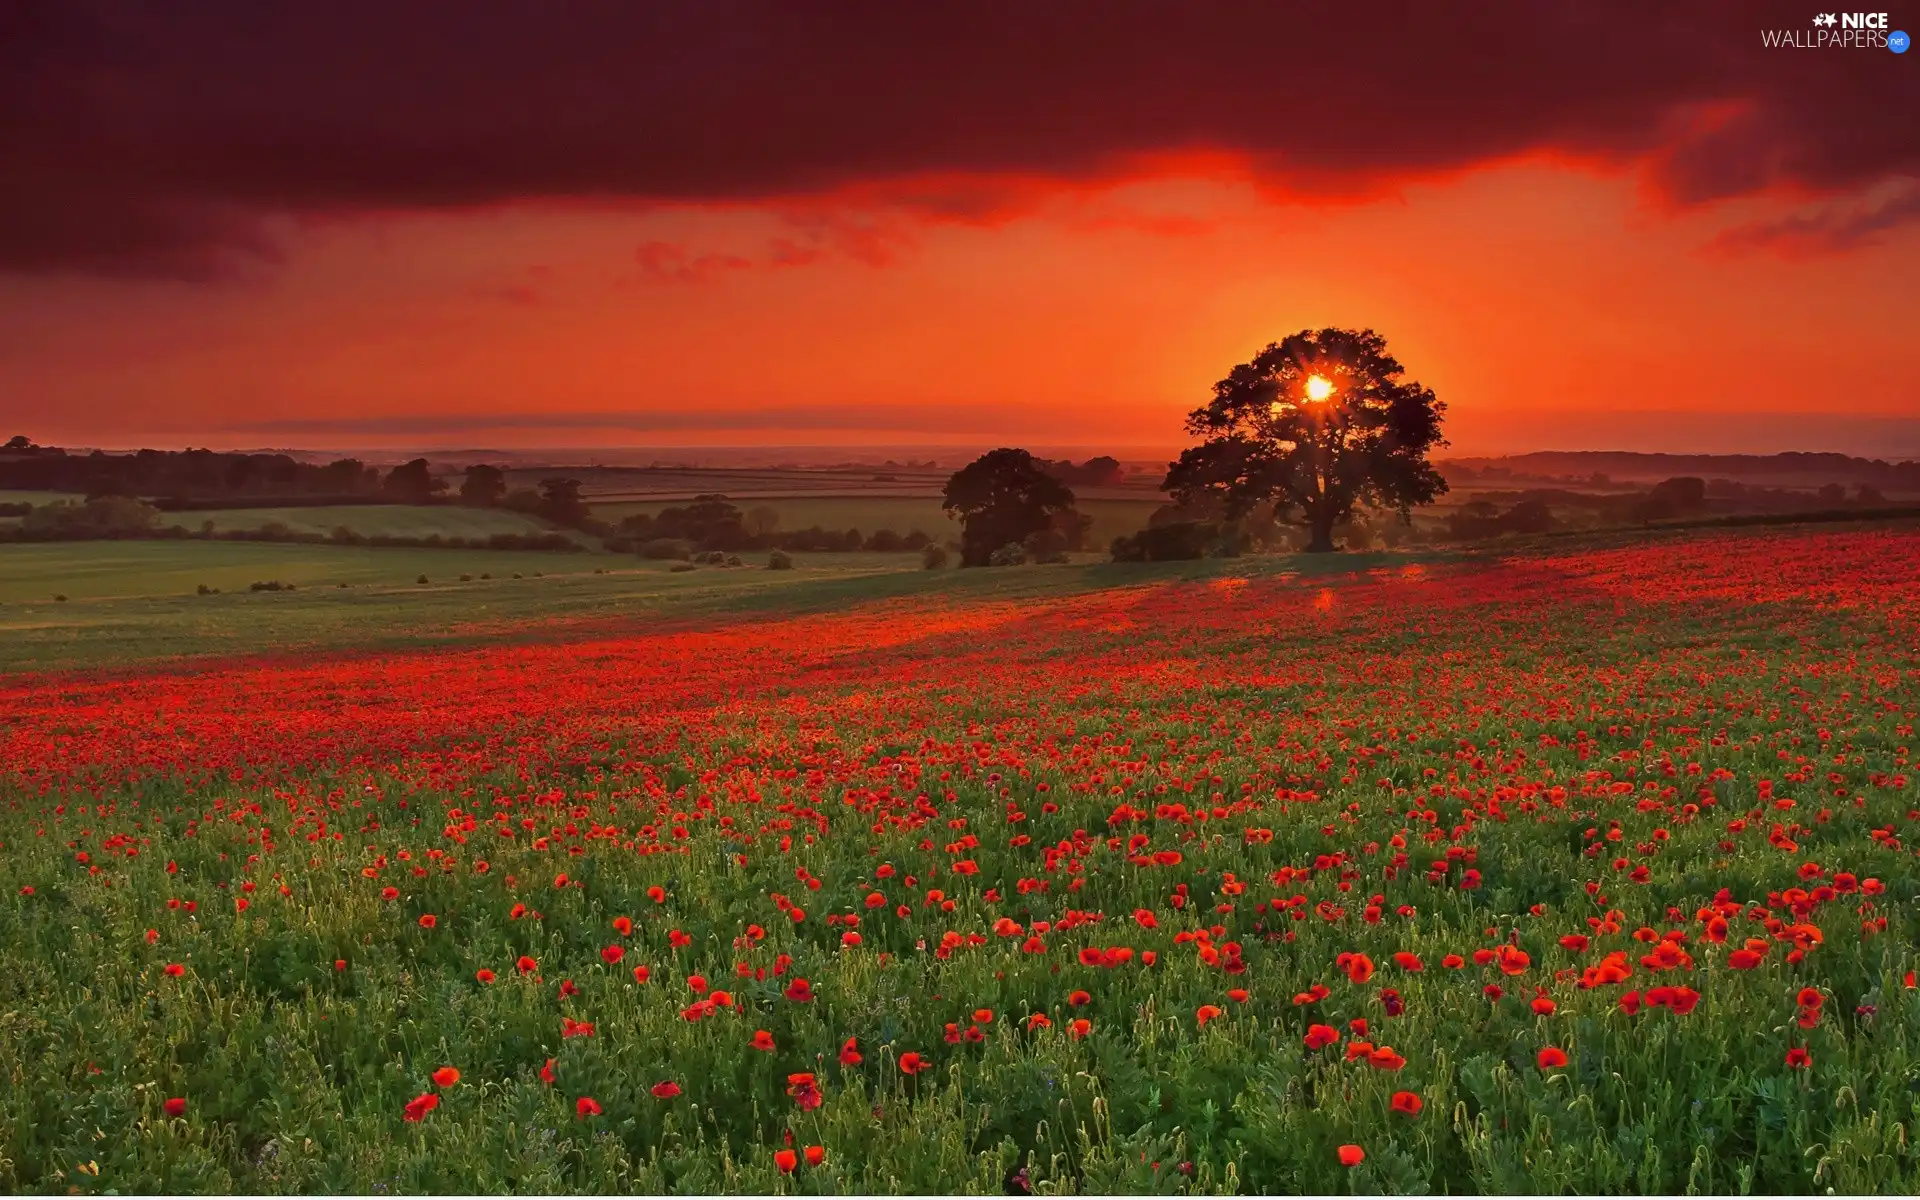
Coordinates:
<point>1554,300</point>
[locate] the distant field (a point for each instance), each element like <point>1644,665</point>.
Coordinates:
<point>391,520</point>
<point>96,570</point>
<point>902,514</point>
<point>20,497</point>
<point>135,601</point>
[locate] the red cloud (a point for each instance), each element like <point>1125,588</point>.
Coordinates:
<point>163,137</point>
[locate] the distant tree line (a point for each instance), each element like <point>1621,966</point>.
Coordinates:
<point>714,524</point>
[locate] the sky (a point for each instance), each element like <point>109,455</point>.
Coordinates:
<point>351,224</point>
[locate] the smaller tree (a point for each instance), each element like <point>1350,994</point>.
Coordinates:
<point>560,503</point>
<point>1003,498</point>
<point>760,521</point>
<point>412,482</point>
<point>484,486</point>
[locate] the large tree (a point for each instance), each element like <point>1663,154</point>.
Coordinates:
<point>1317,424</point>
<point>1002,498</point>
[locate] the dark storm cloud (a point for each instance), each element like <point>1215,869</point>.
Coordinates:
<point>159,138</point>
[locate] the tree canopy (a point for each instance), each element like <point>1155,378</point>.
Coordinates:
<point>1003,498</point>
<point>1317,424</point>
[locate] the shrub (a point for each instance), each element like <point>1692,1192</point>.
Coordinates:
<point>204,590</point>
<point>469,579</point>
<point>1046,546</point>
<point>422,579</point>
<point>683,566</point>
<point>664,548</point>
<point>933,556</point>
<point>1012,554</point>
<point>59,597</point>
<point>269,585</point>
<point>1172,542</point>
<point>779,560</point>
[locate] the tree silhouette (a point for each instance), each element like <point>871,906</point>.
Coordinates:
<point>484,485</point>
<point>1001,498</point>
<point>412,482</point>
<point>1318,424</point>
<point>560,502</point>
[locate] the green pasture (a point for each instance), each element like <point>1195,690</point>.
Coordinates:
<point>370,520</point>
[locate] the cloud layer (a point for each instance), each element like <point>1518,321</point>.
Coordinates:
<point>162,139</point>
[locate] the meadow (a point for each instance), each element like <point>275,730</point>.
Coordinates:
<point>903,514</point>
<point>1577,869</point>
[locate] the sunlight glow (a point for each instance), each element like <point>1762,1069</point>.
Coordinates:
<point>1318,388</point>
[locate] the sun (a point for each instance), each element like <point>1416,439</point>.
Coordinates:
<point>1318,388</point>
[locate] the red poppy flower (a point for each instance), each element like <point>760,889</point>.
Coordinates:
<point>428,920</point>
<point>850,1053</point>
<point>623,925</point>
<point>612,954</point>
<point>1551,1058</point>
<point>698,983</point>
<point>641,974</point>
<point>418,1107</point>
<point>176,1107</point>
<point>174,969</point>
<point>912,1063</point>
<point>526,964</point>
<point>546,1072</point>
<point>1321,1035</point>
<point>1351,1155</point>
<point>1080,1028</point>
<point>446,1077</point>
<point>805,1092</point>
<point>1038,1021</point>
<point>1809,998</point>
<point>1408,1102</point>
<point>483,975</point>
<point>762,1040</point>
<point>1453,962</point>
<point>982,1016</point>
<point>786,1160</point>
<point>666,1089</point>
<point>1798,1058</point>
<point>1385,1058</point>
<point>1744,959</point>
<point>1237,995</point>
<point>1079,998</point>
<point>816,1155</point>
<point>1630,1002</point>
<point>1408,962</point>
<point>586,1106</point>
<point>392,893</point>
<point>1543,1006</point>
<point>800,991</point>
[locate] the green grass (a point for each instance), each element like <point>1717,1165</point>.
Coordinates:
<point>371,520</point>
<point>902,514</point>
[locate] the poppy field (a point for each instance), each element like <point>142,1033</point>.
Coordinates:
<point>1588,870</point>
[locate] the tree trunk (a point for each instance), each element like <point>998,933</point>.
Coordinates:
<point>1321,526</point>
